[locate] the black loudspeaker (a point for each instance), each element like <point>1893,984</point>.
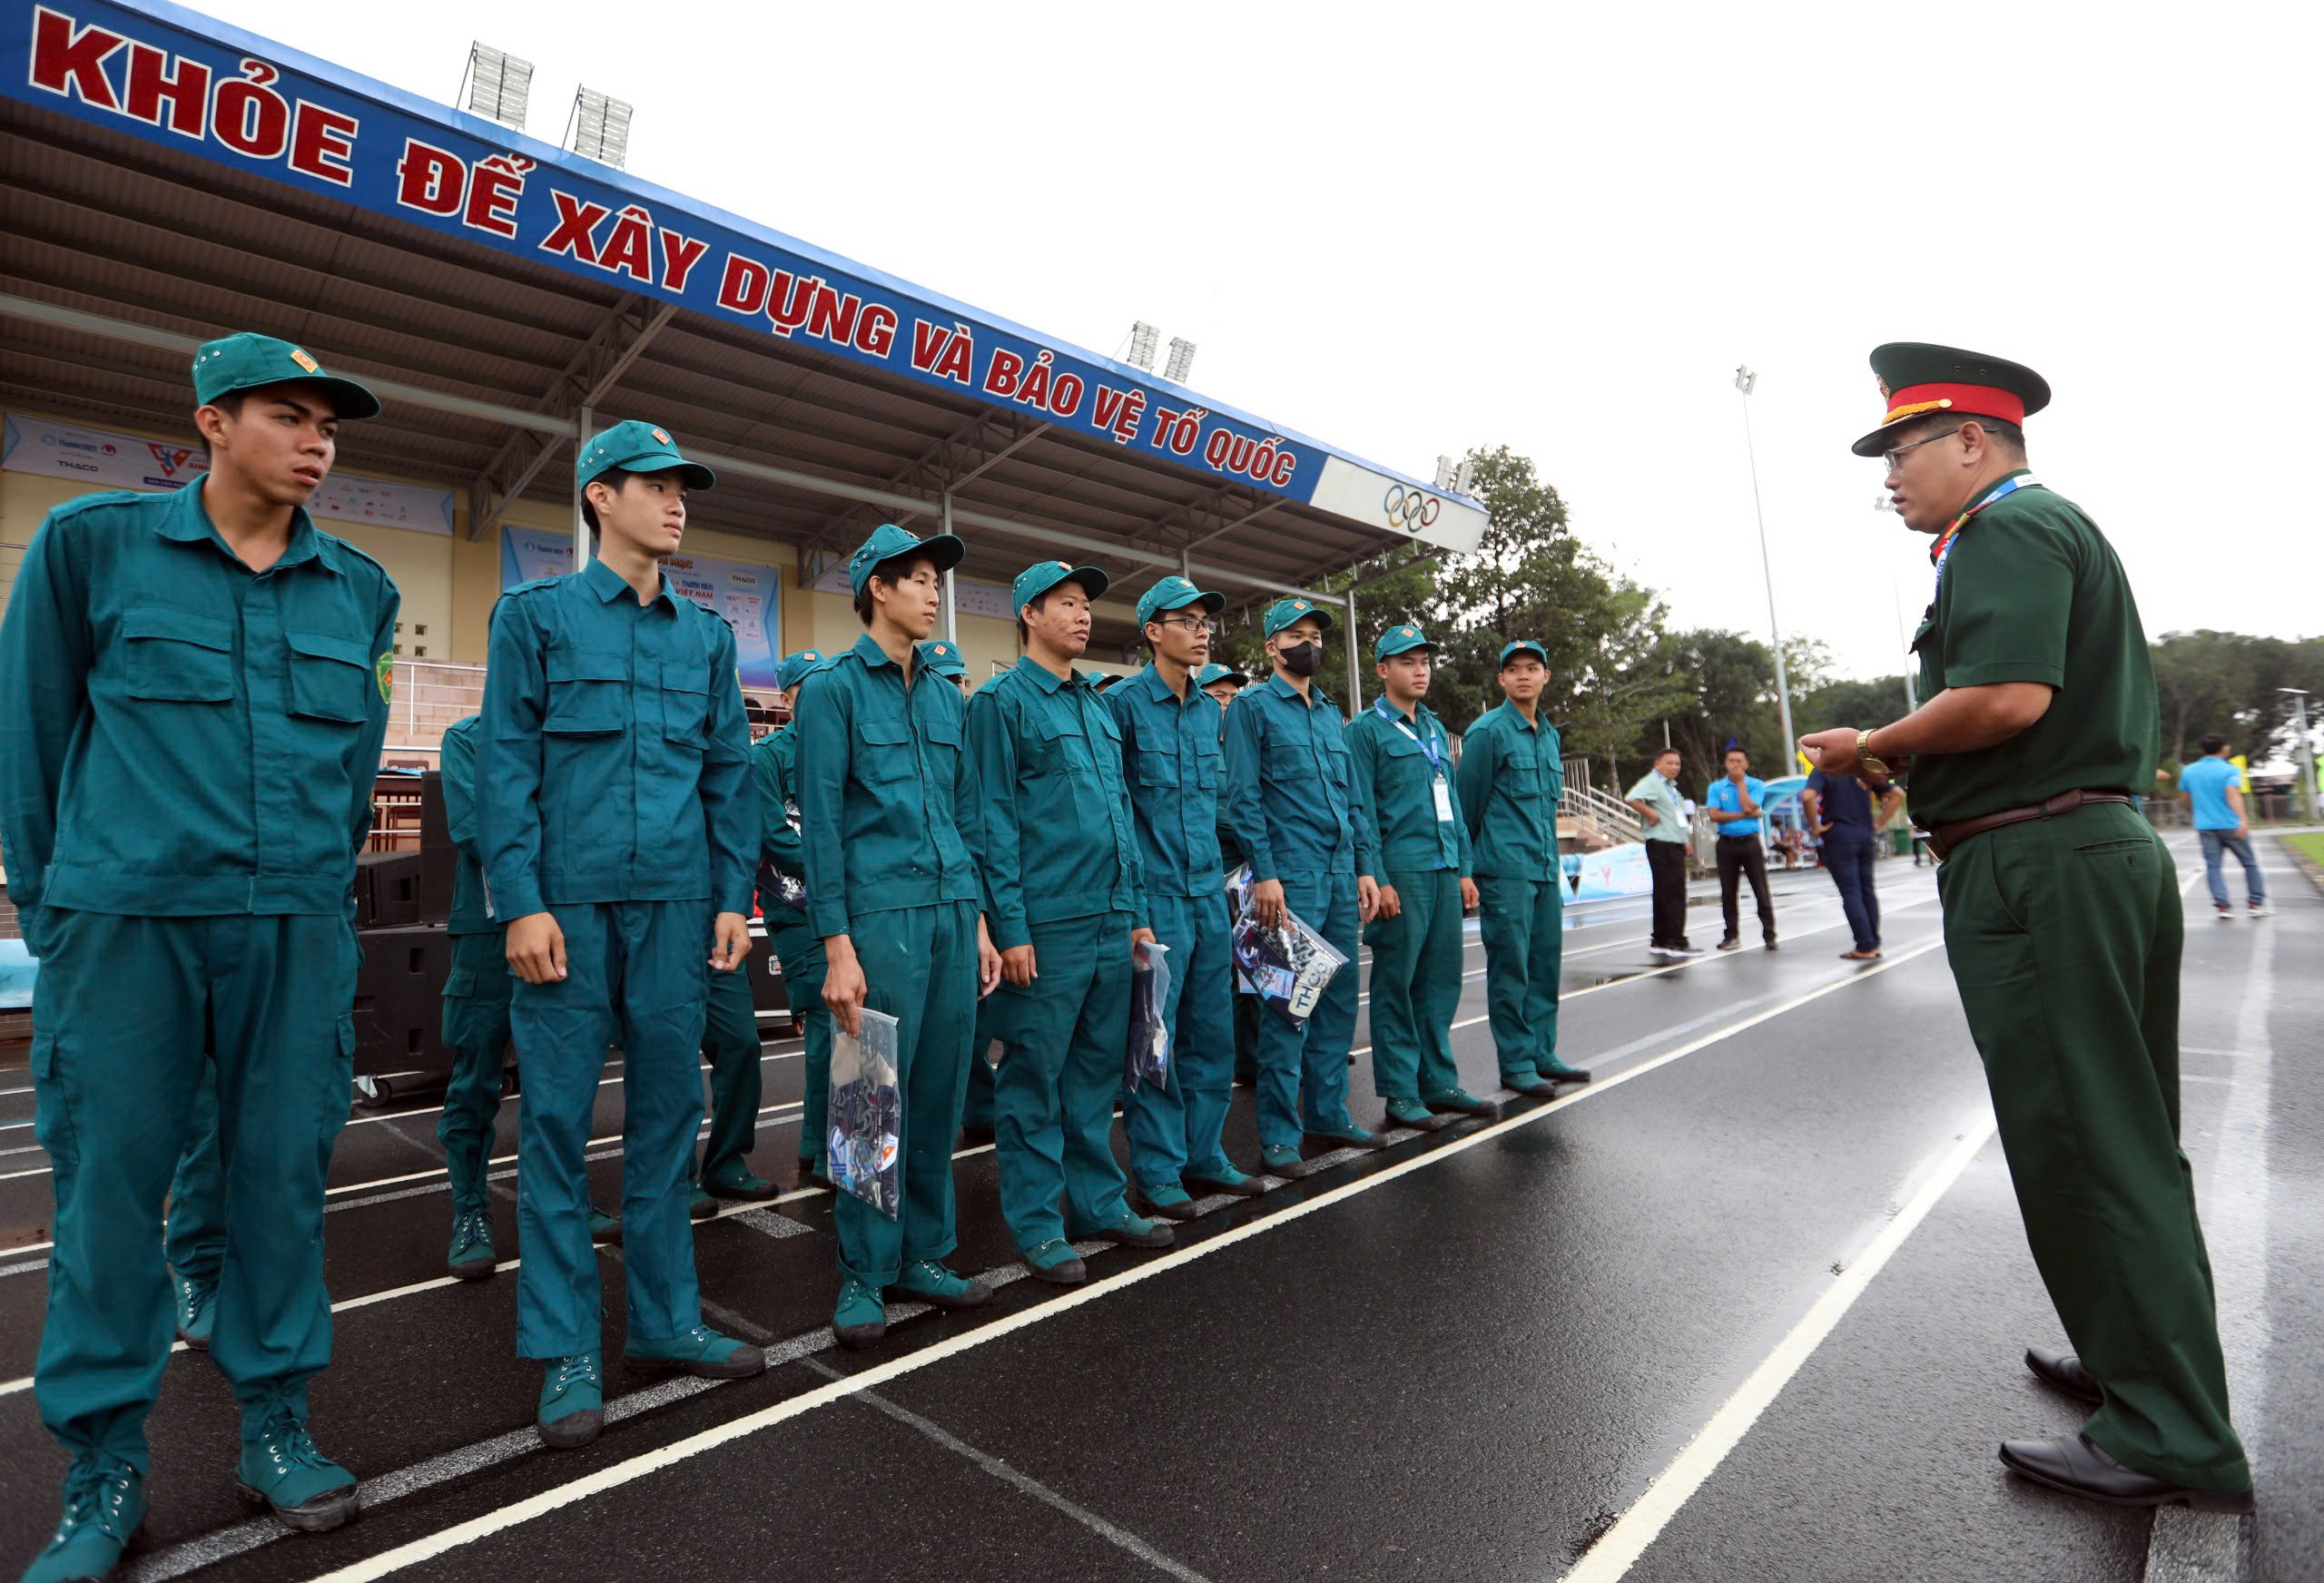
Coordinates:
<point>398,999</point>
<point>437,856</point>
<point>386,890</point>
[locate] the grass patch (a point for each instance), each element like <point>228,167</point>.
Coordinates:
<point>2311,844</point>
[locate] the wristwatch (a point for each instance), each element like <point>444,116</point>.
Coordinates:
<point>1864,755</point>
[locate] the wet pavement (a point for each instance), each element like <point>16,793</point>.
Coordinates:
<point>1467,1358</point>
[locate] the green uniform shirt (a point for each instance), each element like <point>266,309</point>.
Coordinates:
<point>885,790</point>
<point>1290,794</point>
<point>1170,757</point>
<point>1670,820</point>
<point>180,735</point>
<point>1054,832</point>
<point>615,762</point>
<point>472,907</point>
<point>1512,774</point>
<point>2032,592</point>
<point>774,767</point>
<point>1396,785</point>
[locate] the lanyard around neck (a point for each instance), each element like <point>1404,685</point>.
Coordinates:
<point>1943,549</point>
<point>1427,744</point>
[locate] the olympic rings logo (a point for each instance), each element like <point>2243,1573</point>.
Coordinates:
<point>1412,509</point>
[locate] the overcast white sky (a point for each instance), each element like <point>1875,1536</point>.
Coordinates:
<point>1407,229</point>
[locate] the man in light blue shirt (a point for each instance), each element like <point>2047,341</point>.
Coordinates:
<point>2215,786</point>
<point>1655,799</point>
<point>1734,802</point>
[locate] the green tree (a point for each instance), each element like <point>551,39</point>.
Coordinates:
<point>1863,704</point>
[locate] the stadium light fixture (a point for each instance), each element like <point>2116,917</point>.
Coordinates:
<point>1142,338</point>
<point>599,127</point>
<point>1182,359</point>
<point>1444,469</point>
<point>1465,477</point>
<point>496,84</point>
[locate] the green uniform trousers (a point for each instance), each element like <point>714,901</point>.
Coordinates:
<point>802,956</point>
<point>1523,925</point>
<point>477,993</point>
<point>194,1239</point>
<point>730,1038</point>
<point>1063,1039</point>
<point>1416,986</point>
<point>920,967</point>
<point>977,1111</point>
<point>1178,1124</point>
<point>1302,1071</point>
<point>1247,1012</point>
<point>637,966</point>
<point>2064,936</point>
<point>127,1014</point>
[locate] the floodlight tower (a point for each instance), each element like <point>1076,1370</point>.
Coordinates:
<point>1746,381</point>
<point>598,127</point>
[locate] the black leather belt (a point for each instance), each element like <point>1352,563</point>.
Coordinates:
<point>1945,837</point>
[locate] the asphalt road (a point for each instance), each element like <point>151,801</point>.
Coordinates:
<point>1750,1306</point>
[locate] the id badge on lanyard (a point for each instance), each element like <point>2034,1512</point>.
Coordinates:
<point>1439,784</point>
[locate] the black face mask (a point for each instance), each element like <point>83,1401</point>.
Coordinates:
<point>1302,659</point>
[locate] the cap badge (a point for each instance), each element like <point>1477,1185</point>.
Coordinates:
<point>304,361</point>
<point>660,435</point>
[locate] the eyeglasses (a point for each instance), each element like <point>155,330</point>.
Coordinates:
<point>1201,624</point>
<point>1895,458</point>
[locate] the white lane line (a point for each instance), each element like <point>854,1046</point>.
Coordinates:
<point>2187,1547</point>
<point>430,1546</point>
<point>1612,1556</point>
<point>1118,1537</point>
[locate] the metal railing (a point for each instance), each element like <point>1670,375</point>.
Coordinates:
<point>1608,816</point>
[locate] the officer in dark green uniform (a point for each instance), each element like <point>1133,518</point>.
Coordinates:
<point>885,791</point>
<point>1404,780</point>
<point>1511,778</point>
<point>1292,802</point>
<point>782,904</point>
<point>1058,846</point>
<point>193,689</point>
<point>620,825</point>
<point>2063,920</point>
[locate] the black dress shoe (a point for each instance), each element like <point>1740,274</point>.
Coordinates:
<point>2065,1370</point>
<point>2080,1468</point>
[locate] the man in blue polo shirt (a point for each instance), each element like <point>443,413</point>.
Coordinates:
<point>1733,802</point>
<point>2215,786</point>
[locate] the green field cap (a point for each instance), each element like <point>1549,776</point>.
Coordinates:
<point>1400,640</point>
<point>796,668</point>
<point>637,446</point>
<point>1215,673</point>
<point>944,658</point>
<point>888,541</point>
<point>1284,612</point>
<point>1043,576</point>
<point>1177,594</point>
<point>249,361</point>
<point>1525,646</point>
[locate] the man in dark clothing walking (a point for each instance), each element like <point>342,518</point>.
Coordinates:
<point>1839,810</point>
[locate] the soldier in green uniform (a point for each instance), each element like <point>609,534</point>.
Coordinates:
<point>475,1014</point>
<point>1056,839</point>
<point>618,824</point>
<point>1511,778</point>
<point>475,1017</point>
<point>193,689</point>
<point>1222,682</point>
<point>783,903</point>
<point>1404,781</point>
<point>1170,759</point>
<point>885,790</point>
<point>2063,920</point>
<point>1291,799</point>
<point>195,1238</point>
<point>944,658</point>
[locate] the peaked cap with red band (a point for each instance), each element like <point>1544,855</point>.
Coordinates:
<point>1917,378</point>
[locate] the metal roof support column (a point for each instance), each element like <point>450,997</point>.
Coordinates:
<point>952,625</point>
<point>1355,678</point>
<point>581,427</point>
